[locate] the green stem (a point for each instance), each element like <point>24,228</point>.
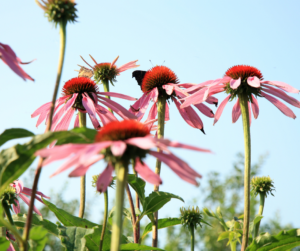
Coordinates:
<point>82,123</point>
<point>7,212</point>
<point>104,219</point>
<point>233,246</point>
<point>63,36</point>
<point>161,108</point>
<point>260,212</point>
<point>121,171</point>
<point>2,229</point>
<point>106,89</point>
<point>247,141</point>
<point>192,238</point>
<point>137,205</point>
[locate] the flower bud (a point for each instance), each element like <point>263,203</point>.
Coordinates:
<point>262,185</point>
<point>191,217</point>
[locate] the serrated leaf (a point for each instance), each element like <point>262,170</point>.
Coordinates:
<point>135,246</point>
<point>68,219</point>
<point>4,244</point>
<point>138,185</point>
<point>162,223</point>
<point>14,133</point>
<point>37,238</point>
<point>283,241</point>
<point>156,200</point>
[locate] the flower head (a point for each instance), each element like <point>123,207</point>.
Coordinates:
<point>10,58</point>
<point>21,191</point>
<point>121,141</point>
<point>262,185</point>
<point>244,81</point>
<point>59,11</point>
<point>107,72</point>
<point>8,197</point>
<point>191,217</point>
<point>82,94</point>
<point>161,81</point>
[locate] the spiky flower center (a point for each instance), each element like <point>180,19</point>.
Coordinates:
<point>104,72</point>
<point>157,77</point>
<point>191,217</point>
<point>60,11</point>
<point>262,185</point>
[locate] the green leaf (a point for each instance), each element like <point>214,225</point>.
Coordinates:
<point>162,223</point>
<point>138,185</point>
<point>4,244</point>
<point>14,133</point>
<point>156,200</point>
<point>257,219</point>
<point>135,246</point>
<point>37,238</point>
<point>283,241</point>
<point>126,213</point>
<point>224,235</point>
<point>81,135</point>
<point>68,219</point>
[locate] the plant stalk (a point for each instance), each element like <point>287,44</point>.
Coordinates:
<point>121,171</point>
<point>260,212</point>
<point>192,238</point>
<point>104,219</point>
<point>247,141</point>
<point>137,205</point>
<point>161,108</point>
<point>82,123</point>
<point>133,221</point>
<point>106,89</point>
<point>63,36</point>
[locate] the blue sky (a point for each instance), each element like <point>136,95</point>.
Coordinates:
<point>198,40</point>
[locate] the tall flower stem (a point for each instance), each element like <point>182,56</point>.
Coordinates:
<point>260,212</point>
<point>192,238</point>
<point>82,123</point>
<point>122,171</point>
<point>63,36</point>
<point>133,221</point>
<point>106,89</point>
<point>137,205</point>
<point>104,219</point>
<point>161,108</point>
<point>247,141</point>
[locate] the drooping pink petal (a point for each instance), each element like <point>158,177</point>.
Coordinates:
<point>212,100</point>
<point>253,81</point>
<point>154,94</point>
<point>42,118</point>
<point>168,88</point>
<point>17,208</point>
<point>282,85</point>
<point>65,121</point>
<point>89,105</point>
<point>117,95</point>
<point>205,110</point>
<point>95,122</point>
<point>40,110</point>
<point>27,201</point>
<point>249,110</point>
<point>281,94</point>
<point>71,101</point>
<point>255,107</point>
<point>195,98</point>
<point>105,179</point>
<point>167,112</point>
<point>198,86</point>
<point>236,111</point>
<point>221,108</point>
<point>105,115</point>
<point>152,113</point>
<point>118,148</point>
<point>113,62</point>
<point>235,83</point>
<point>146,173</point>
<point>129,65</point>
<point>282,107</point>
<point>57,117</point>
<point>82,168</point>
<point>146,142</point>
<point>140,106</point>
<point>76,123</point>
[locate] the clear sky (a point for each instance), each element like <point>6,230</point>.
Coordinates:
<point>199,41</point>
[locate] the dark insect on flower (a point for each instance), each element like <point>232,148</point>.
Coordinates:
<point>139,76</point>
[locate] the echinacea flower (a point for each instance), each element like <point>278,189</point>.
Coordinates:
<point>107,72</point>
<point>243,80</point>
<point>21,191</point>
<point>121,141</point>
<point>82,94</point>
<point>160,81</point>
<point>10,58</point>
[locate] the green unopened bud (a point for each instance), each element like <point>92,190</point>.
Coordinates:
<point>262,185</point>
<point>9,196</point>
<point>94,181</point>
<point>208,213</point>
<point>104,72</point>
<point>191,217</point>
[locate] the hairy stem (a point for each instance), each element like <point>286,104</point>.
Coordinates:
<point>161,108</point>
<point>137,205</point>
<point>247,141</point>
<point>82,123</point>
<point>133,221</point>
<point>62,32</point>
<point>106,89</point>
<point>104,219</point>
<point>260,212</point>
<point>192,238</point>
<point>121,170</point>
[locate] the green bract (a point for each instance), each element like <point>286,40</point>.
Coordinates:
<point>262,185</point>
<point>191,217</point>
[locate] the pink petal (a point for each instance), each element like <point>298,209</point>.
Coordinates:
<point>113,62</point>
<point>146,173</point>
<point>281,94</point>
<point>17,208</point>
<point>154,94</point>
<point>282,85</point>
<point>168,88</point>
<point>205,110</point>
<point>57,117</point>
<point>236,111</point>
<point>71,102</point>
<point>134,109</point>
<point>282,107</point>
<point>167,112</point>
<point>176,144</point>
<point>89,105</point>
<point>255,107</point>
<point>42,118</point>
<point>65,121</point>
<point>105,115</point>
<point>152,113</point>
<point>195,98</point>
<point>95,122</point>
<point>254,82</point>
<point>221,108</point>
<point>40,110</point>
<point>82,168</point>
<point>140,106</point>
<point>27,201</point>
<point>128,66</point>
<point>105,179</point>
<point>249,110</point>
<point>117,95</point>
<point>118,148</point>
<point>76,123</point>
<point>235,83</point>
<point>198,86</point>
<point>146,142</point>
<point>212,100</point>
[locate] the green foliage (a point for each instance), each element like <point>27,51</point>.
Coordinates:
<point>138,185</point>
<point>14,133</point>
<point>4,244</point>
<point>134,246</point>
<point>37,238</point>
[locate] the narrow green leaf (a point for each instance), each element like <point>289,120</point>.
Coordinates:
<point>162,223</point>
<point>14,133</point>
<point>4,244</point>
<point>37,238</point>
<point>257,219</point>
<point>138,185</point>
<point>68,219</point>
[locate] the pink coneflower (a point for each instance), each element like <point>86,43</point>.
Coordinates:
<point>160,81</point>
<point>10,58</point>
<point>107,72</point>
<point>21,191</point>
<point>82,94</point>
<point>121,141</point>
<point>244,80</point>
